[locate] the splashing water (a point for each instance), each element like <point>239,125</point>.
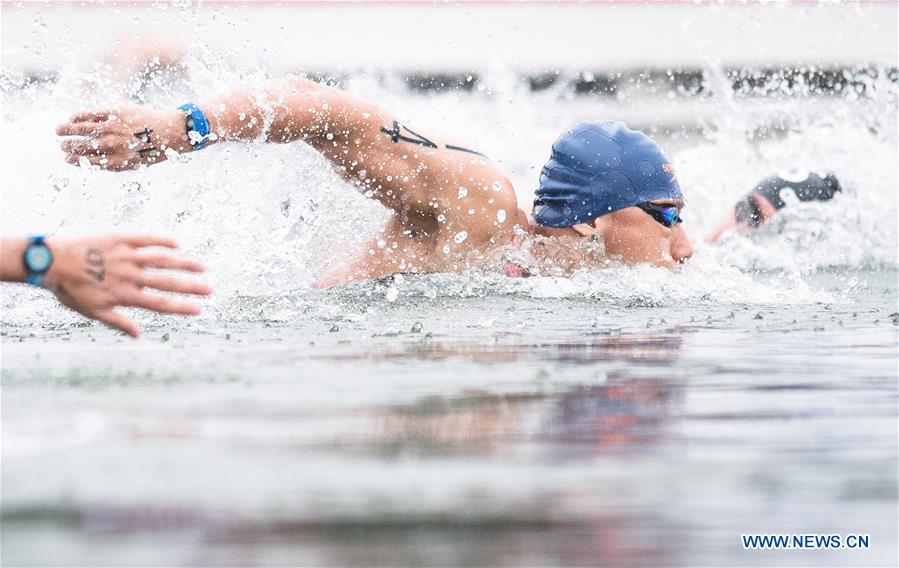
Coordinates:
<point>635,415</point>
<point>286,213</point>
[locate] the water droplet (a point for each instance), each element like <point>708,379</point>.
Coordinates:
<point>334,328</point>
<point>446,249</point>
<point>497,185</point>
<point>60,183</point>
<point>392,294</point>
<point>441,218</point>
<point>460,237</point>
<point>463,191</point>
<point>501,216</point>
<point>416,327</point>
<point>329,136</point>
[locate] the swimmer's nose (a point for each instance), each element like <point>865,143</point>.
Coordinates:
<point>681,249</point>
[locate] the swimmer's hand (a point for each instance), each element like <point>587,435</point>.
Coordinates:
<point>93,276</point>
<point>124,138</point>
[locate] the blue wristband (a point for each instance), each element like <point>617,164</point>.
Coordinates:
<point>37,260</point>
<point>196,125</point>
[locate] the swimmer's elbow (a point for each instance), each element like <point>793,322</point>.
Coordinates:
<point>298,107</point>
<point>714,236</point>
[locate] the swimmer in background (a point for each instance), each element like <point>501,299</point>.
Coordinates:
<point>606,193</point>
<point>765,200</point>
<point>95,275</point>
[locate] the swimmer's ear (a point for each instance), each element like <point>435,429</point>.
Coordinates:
<point>584,229</point>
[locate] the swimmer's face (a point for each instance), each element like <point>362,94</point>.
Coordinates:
<point>634,236</point>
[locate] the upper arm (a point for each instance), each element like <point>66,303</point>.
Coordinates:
<point>347,132</point>
<point>409,172</point>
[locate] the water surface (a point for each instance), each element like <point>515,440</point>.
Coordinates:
<point>628,416</point>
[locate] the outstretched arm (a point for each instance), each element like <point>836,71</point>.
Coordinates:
<point>748,214</point>
<point>130,136</point>
<point>93,276</point>
<point>416,176</point>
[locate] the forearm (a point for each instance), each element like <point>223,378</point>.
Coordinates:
<point>12,269</point>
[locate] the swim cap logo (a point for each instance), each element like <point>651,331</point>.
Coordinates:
<point>669,169</point>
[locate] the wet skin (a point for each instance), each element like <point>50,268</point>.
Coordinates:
<point>730,223</point>
<point>453,209</point>
<point>633,236</point>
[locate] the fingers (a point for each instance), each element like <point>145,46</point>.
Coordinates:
<point>118,321</point>
<point>164,261</point>
<point>171,284</point>
<point>100,152</point>
<point>84,146</point>
<point>162,305</point>
<point>138,241</point>
<point>91,116</point>
<point>113,165</point>
<point>99,160</point>
<point>80,129</point>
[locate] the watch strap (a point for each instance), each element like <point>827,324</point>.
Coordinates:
<point>32,277</point>
<point>196,126</point>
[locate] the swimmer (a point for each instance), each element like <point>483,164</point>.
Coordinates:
<point>95,275</point>
<point>606,193</point>
<point>765,200</point>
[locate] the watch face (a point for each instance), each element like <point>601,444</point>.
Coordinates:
<point>38,258</point>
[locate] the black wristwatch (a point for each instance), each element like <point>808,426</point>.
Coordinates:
<point>37,260</point>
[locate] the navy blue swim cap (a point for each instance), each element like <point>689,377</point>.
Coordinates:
<point>600,167</point>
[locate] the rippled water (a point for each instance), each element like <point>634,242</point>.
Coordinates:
<point>631,416</point>
<point>478,428</point>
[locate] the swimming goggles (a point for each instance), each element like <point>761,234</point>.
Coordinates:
<point>748,212</point>
<point>667,215</point>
